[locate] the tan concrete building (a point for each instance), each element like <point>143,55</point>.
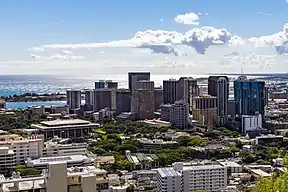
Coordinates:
<point>204,110</point>
<point>142,104</point>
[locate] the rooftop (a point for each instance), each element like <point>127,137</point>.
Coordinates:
<point>168,172</point>
<point>60,122</point>
<point>202,167</point>
<point>46,160</point>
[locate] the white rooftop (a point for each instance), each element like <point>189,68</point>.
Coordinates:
<point>48,160</point>
<point>168,172</point>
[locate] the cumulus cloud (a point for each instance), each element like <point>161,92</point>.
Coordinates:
<point>198,38</point>
<point>161,49</point>
<point>187,19</point>
<point>278,40</point>
<point>161,20</point>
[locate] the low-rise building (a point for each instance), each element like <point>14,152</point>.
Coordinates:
<point>156,144</point>
<point>68,128</point>
<point>142,161</point>
<point>59,178</point>
<point>268,139</point>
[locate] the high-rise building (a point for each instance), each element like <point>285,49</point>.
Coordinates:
<point>204,110</point>
<point>166,112</point>
<point>103,98</point>
<point>134,77</point>
<point>191,178</point>
<point>142,104</point>
<point>123,100</point>
<point>212,85</point>
<point>158,96</point>
<point>222,100</point>
<point>187,88</point>
<point>73,99</point>
<point>169,91</point>
<point>179,114</point>
<point>148,85</point>
<point>249,97</point>
<point>266,95</point>
<point>111,84</point>
<point>183,89</point>
<point>100,84</point>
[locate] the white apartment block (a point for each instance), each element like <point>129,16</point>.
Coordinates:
<point>23,147</point>
<point>33,147</point>
<point>7,160</point>
<point>59,178</point>
<point>211,178</point>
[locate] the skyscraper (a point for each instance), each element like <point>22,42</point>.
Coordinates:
<point>142,105</point>
<point>158,96</point>
<point>179,114</point>
<point>100,84</point>
<point>169,91</point>
<point>222,100</point>
<point>148,85</point>
<point>103,98</point>
<point>183,89</point>
<point>249,97</point>
<point>123,100</point>
<point>134,77</point>
<point>73,99</point>
<point>212,85</point>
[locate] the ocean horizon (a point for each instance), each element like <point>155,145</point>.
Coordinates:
<point>40,84</point>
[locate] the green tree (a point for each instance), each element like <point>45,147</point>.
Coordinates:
<point>272,184</point>
<point>26,171</point>
<point>97,150</point>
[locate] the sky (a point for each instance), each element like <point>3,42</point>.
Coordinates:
<point>188,36</point>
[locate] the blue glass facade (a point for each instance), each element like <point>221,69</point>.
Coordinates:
<point>99,85</point>
<point>249,97</point>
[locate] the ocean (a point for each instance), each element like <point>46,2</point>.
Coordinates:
<point>20,84</point>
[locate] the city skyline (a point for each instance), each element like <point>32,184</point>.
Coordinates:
<point>83,38</point>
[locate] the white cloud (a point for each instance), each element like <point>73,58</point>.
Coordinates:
<point>36,49</point>
<point>187,19</point>
<point>198,38</point>
<point>161,20</point>
<point>67,52</point>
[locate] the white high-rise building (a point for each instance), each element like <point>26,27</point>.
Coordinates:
<point>211,178</point>
<point>73,99</point>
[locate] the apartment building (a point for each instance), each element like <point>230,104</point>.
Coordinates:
<point>59,178</point>
<point>15,150</point>
<point>23,148</point>
<point>7,160</point>
<point>211,178</point>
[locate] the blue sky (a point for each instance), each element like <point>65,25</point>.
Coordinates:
<point>54,21</point>
<point>30,23</point>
